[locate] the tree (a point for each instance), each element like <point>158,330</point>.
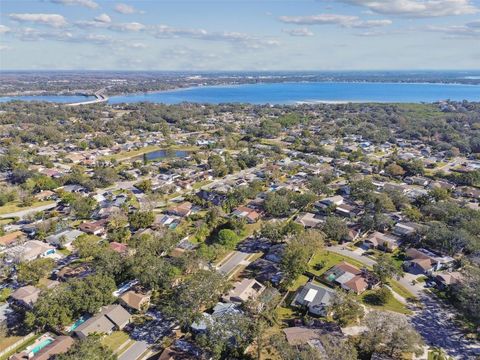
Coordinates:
<point>395,170</point>
<point>227,238</point>
<point>390,333</point>
<point>31,272</point>
<point>90,348</point>
<point>335,228</point>
<point>141,219</point>
<point>199,291</point>
<point>385,268</point>
<point>87,245</point>
<point>227,337</point>
<point>151,270</point>
<point>272,230</point>
<point>467,294</point>
<point>277,205</point>
<point>82,206</point>
<point>337,348</point>
<point>144,185</point>
<point>345,308</point>
<point>379,297</point>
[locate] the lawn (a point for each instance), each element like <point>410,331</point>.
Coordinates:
<point>14,206</point>
<point>115,340</point>
<point>12,340</point>
<point>5,342</point>
<point>329,259</point>
<point>392,304</point>
<point>401,290</point>
<point>125,155</point>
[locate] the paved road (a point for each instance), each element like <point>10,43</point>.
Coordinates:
<point>135,351</point>
<point>22,213</point>
<point>434,322</point>
<point>235,260</point>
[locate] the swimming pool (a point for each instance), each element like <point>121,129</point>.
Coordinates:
<point>40,345</point>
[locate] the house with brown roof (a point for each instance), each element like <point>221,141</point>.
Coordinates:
<point>110,318</point>
<point>30,250</point>
<point>94,227</point>
<point>135,300</point>
<point>60,345</point>
<point>425,262</point>
<point>444,280</point>
<point>11,238</point>
<point>184,209</point>
<point>350,277</point>
<point>26,296</point>
<point>247,289</point>
<point>243,212</point>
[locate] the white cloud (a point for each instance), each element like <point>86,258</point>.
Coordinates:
<point>86,3</point>
<point>131,26</point>
<point>334,19</point>
<point>242,39</point>
<point>54,20</point>
<point>125,9</point>
<point>103,18</point>
<point>418,8</point>
<point>467,31</point>
<point>4,29</point>
<point>298,32</point>
<point>4,47</point>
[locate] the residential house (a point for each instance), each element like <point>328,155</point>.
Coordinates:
<point>25,296</point>
<point>64,238</point>
<point>444,280</point>
<point>309,220</point>
<point>60,345</point>
<point>243,212</point>
<point>183,210</point>
<point>135,300</point>
<point>97,228</point>
<point>405,229</point>
<point>11,238</point>
<point>425,262</point>
<point>378,240</point>
<point>350,277</point>
<point>329,201</point>
<point>247,289</point>
<point>110,318</point>
<point>314,297</point>
<point>28,251</point>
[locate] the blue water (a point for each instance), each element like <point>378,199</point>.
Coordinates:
<point>161,154</point>
<point>77,323</point>
<point>49,98</point>
<point>41,345</point>
<point>287,93</point>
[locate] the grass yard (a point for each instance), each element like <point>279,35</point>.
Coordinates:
<point>5,342</point>
<point>115,340</point>
<point>401,290</point>
<point>391,305</point>
<point>14,206</point>
<point>329,259</point>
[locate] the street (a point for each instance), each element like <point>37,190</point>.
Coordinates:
<point>135,351</point>
<point>236,259</point>
<point>434,322</point>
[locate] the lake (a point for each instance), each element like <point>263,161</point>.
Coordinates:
<point>163,154</point>
<point>291,93</point>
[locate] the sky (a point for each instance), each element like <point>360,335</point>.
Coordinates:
<point>239,35</point>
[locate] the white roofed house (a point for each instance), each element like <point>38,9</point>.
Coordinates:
<point>28,251</point>
<point>64,238</point>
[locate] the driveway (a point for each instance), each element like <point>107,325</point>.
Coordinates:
<point>135,351</point>
<point>233,261</point>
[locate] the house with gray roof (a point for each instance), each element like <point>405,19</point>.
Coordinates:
<point>314,297</point>
<point>110,318</point>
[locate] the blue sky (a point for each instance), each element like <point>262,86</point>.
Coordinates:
<point>240,34</point>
